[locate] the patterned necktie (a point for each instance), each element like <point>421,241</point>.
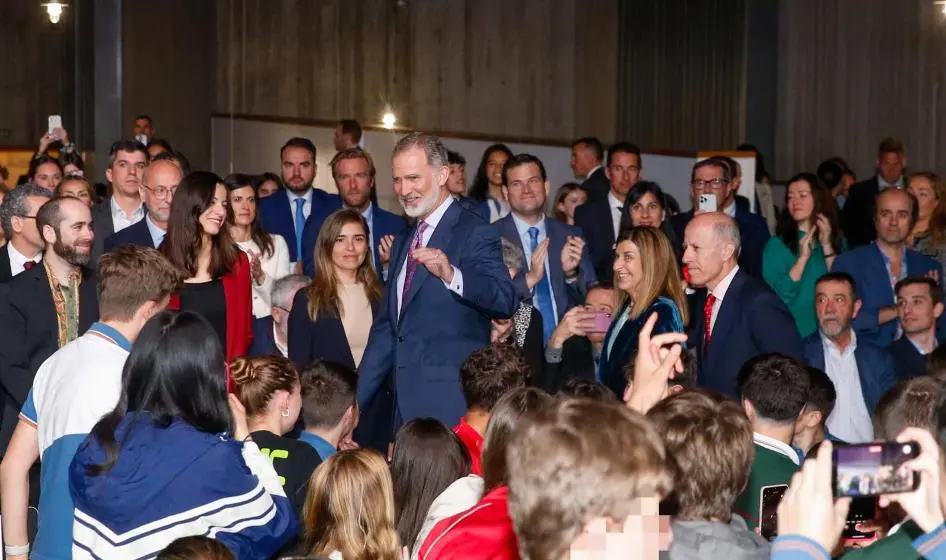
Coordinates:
<point>542,297</point>
<point>28,265</point>
<point>300,225</point>
<point>416,241</point>
<point>708,321</point>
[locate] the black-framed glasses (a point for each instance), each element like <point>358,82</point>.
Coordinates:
<point>712,184</point>
<point>27,217</point>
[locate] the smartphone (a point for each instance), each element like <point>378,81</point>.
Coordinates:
<point>601,322</point>
<point>707,203</point>
<point>769,499</point>
<point>55,121</point>
<point>863,511</point>
<point>142,138</point>
<point>872,469</point>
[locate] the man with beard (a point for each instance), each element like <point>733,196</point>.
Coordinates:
<point>158,184</point>
<point>123,208</point>
<point>288,212</point>
<point>864,371</point>
<point>446,281</point>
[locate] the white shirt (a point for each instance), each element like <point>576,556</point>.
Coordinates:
<point>306,207</point>
<point>523,228</point>
<point>720,293</point>
<point>274,267</point>
<point>730,210</point>
<point>121,220</point>
<point>432,221</point>
<point>615,206</point>
<point>283,349</point>
<point>17,259</point>
<point>850,420</point>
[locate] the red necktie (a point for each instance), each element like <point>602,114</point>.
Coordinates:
<point>28,265</point>
<point>708,321</point>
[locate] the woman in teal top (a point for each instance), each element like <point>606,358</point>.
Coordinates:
<point>807,239</point>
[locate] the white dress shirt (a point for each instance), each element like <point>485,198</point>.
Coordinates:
<point>283,349</point>
<point>18,259</point>
<point>456,286</point>
<point>368,214</point>
<point>121,220</point>
<point>157,234</point>
<point>720,293</point>
<point>730,210</point>
<point>523,229</point>
<point>615,206</point>
<point>274,267</point>
<point>850,420</point>
<point>306,207</point>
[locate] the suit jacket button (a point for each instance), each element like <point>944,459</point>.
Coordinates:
<point>400,339</point>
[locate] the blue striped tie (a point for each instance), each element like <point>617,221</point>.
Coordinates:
<point>542,297</point>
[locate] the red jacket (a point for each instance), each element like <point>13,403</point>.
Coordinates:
<point>238,293</point>
<point>483,531</point>
<point>474,445</point>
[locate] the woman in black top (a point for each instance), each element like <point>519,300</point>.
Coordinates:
<point>269,388</point>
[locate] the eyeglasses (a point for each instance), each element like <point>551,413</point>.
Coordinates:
<point>27,217</point>
<point>161,191</point>
<point>712,184</point>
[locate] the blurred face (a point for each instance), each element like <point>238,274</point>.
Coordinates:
<point>353,180</point>
<point>76,189</point>
<point>419,187</point>
<point>143,126</point>
<point>599,300</point>
<point>526,190</point>
<point>916,309</point>
<point>126,171</point>
<point>801,203</point>
<point>298,169</point>
<point>73,241</point>
<point>893,217</point>
<point>456,183</point>
<point>846,181</point>
<point>243,203</point>
<point>628,268</point>
<point>212,219</point>
<point>890,166</point>
<point>709,179</point>
<point>341,140</point>
<point>583,160</point>
<point>573,200</point>
<point>922,189</point>
<point>24,227</point>
<point>48,176</point>
<point>155,149</point>
<point>351,248</point>
<point>835,307</point>
<point>267,188</point>
<point>72,169</point>
<point>647,211</point>
<point>158,186</point>
<point>494,167</point>
<point>704,254</point>
<point>623,173</point>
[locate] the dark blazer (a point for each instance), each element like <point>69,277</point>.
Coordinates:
<point>6,273</point>
<point>597,183</point>
<point>752,320</point>
<point>858,212</point>
<point>135,234</point>
<point>866,265</point>
<point>277,217</point>
<point>102,227</point>
<point>436,331</point>
<point>577,363</point>
<point>382,223</point>
<point>907,360</point>
<point>593,219</point>
<point>29,333</point>
<point>753,234</point>
<point>264,342</point>
<point>566,295</point>
<point>475,206</point>
<point>874,367</point>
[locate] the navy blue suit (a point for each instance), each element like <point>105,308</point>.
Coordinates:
<point>866,265</point>
<point>437,330</point>
<point>752,320</point>
<point>907,360</point>
<point>593,220</point>
<point>874,367</point>
<point>136,234</point>
<point>382,223</point>
<point>264,340</point>
<point>278,217</point>
<point>753,235</point>
<point>566,295</point>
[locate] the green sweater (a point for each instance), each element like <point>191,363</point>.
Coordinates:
<point>898,546</point>
<point>770,467</point>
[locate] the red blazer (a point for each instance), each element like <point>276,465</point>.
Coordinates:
<point>238,292</point>
<point>483,531</point>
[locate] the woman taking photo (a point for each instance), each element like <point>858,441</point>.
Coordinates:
<point>569,197</point>
<point>218,273</point>
<point>488,184</point>
<point>647,207</point>
<point>268,253</point>
<point>929,232</point>
<point>648,281</point>
<point>806,242</point>
<point>163,464</point>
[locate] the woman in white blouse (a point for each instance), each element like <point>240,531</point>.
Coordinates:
<point>268,254</point>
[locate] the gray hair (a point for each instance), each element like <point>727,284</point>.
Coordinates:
<point>727,231</point>
<point>513,257</point>
<point>432,146</point>
<point>285,288</point>
<point>15,204</point>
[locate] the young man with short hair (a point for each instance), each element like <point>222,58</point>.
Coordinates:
<point>329,409</point>
<point>919,307</point>
<point>811,428</point>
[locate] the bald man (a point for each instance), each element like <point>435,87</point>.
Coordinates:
<point>158,184</point>
<point>735,316</point>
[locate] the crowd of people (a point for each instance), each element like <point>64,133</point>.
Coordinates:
<point>205,367</point>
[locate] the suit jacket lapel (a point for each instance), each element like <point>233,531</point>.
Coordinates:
<point>398,260</point>
<point>555,274</point>
<point>440,239</point>
<point>728,312</point>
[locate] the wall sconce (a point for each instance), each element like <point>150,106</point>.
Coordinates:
<point>54,10</point>
<point>388,119</point>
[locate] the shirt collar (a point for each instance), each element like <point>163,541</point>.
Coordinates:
<point>613,201</point>
<point>882,184</point>
<point>18,259</point>
<point>917,346</point>
<point>523,228</point>
<point>368,213</point>
<point>434,218</point>
<point>111,334</point>
<point>282,348</point>
<point>775,445</point>
<point>720,291</point>
<point>293,196</point>
<point>321,446</point>
<point>730,210</point>
<point>157,234</point>
<point>116,209</point>
<point>830,345</point>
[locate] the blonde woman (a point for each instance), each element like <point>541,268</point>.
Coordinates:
<point>349,510</point>
<point>929,232</point>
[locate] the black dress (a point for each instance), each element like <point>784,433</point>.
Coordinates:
<point>208,299</point>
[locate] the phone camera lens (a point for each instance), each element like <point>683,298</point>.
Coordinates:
<point>907,449</point>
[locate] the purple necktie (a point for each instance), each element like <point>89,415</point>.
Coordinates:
<point>416,241</point>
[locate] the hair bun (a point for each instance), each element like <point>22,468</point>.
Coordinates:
<point>242,371</point>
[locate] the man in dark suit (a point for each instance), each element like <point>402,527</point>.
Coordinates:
<point>354,174</point>
<point>919,305</point>
<point>127,162</point>
<point>859,228</point>
<point>288,212</point>
<point>446,281</point>
<point>46,306</point>
<point>587,155</point>
<point>24,247</point>
<point>719,177</point>
<point>735,316</point>
<point>861,371</point>
<point>599,219</point>
<point>558,270</point>
<point>270,332</point>
<point>158,184</point>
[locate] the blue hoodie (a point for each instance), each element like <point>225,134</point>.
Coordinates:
<point>174,482</point>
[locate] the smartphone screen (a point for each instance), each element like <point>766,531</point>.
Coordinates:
<point>55,121</point>
<point>872,469</point>
<point>769,499</point>
<point>601,322</point>
<point>707,203</point>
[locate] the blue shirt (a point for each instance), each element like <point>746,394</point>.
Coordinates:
<point>322,447</point>
<point>157,234</point>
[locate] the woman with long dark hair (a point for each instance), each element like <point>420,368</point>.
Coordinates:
<point>488,184</point>
<point>806,242</point>
<point>218,273</point>
<point>176,456</point>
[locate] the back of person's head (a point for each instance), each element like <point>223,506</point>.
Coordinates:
<point>511,410</point>
<point>907,404</point>
<point>176,370</point>
<point>775,386</point>
<point>132,276</point>
<point>267,383</point>
<point>328,394</point>
<point>681,381</point>
<point>578,461</point>
<point>177,158</point>
<point>822,396</point>
<point>352,129</point>
<point>710,439</point>
<point>427,458</point>
<point>195,548</point>
<point>936,363</point>
<point>491,372</point>
<point>349,507</point>
<point>586,389</point>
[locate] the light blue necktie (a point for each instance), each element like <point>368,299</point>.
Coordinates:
<point>542,298</point>
<point>300,225</point>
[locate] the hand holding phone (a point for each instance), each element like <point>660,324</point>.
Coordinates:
<point>54,122</point>
<point>769,499</point>
<point>600,322</point>
<point>707,203</point>
<point>872,469</point>
<point>923,504</point>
